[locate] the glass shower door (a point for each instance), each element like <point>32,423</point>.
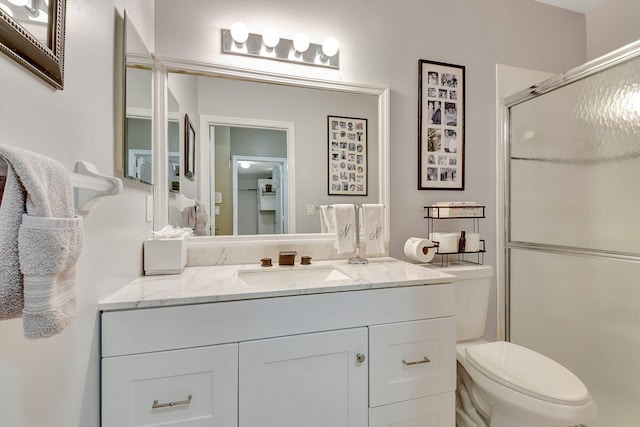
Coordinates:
<point>573,229</point>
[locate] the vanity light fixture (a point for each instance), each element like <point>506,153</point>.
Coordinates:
<point>270,38</point>
<point>269,45</point>
<point>239,33</point>
<point>6,9</point>
<point>300,43</point>
<point>329,49</point>
<point>39,16</point>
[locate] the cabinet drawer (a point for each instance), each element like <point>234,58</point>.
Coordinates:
<point>195,387</point>
<point>432,411</point>
<point>411,359</point>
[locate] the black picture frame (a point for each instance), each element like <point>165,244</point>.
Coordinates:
<point>189,148</point>
<point>441,116</point>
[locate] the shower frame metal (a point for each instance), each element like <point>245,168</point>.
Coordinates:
<point>590,68</point>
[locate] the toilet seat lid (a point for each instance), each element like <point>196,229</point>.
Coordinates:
<point>527,372</point>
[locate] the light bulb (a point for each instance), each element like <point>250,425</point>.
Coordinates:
<point>330,47</point>
<point>19,2</point>
<point>270,37</point>
<point>239,33</point>
<point>301,42</point>
<point>245,165</point>
<point>6,9</point>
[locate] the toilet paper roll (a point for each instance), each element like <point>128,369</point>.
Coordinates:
<point>419,249</point>
<point>447,242</point>
<point>472,242</point>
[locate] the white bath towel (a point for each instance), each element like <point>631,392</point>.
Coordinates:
<point>40,242</point>
<point>326,219</point>
<point>344,217</point>
<point>373,227</point>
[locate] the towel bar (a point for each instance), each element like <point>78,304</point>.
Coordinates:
<point>89,184</point>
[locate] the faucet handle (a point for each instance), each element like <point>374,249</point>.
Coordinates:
<point>266,262</point>
<point>305,260</point>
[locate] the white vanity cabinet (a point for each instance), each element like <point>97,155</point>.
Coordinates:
<point>323,359</point>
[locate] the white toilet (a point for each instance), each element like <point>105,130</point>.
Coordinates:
<point>506,384</point>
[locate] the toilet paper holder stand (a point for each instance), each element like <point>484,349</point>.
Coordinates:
<point>443,258</point>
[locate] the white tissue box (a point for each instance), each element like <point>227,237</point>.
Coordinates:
<point>164,256</point>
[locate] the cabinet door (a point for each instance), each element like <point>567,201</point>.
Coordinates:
<point>432,411</point>
<point>311,380</point>
<point>188,388</point>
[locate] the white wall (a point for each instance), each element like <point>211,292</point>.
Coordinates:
<point>55,382</point>
<point>612,25</point>
<point>381,43</point>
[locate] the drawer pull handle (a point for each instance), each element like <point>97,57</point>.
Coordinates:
<point>417,362</point>
<point>157,405</point>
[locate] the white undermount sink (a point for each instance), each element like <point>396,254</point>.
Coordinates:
<point>291,275</point>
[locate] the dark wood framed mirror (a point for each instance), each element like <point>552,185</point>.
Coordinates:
<point>32,34</point>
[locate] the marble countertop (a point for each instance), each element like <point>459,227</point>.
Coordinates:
<point>221,283</point>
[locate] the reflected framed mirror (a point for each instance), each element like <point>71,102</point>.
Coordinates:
<point>219,98</point>
<point>32,34</point>
<point>133,97</point>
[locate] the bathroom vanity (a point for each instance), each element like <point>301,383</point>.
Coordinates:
<point>330,344</point>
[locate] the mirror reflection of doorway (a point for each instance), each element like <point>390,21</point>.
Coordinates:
<point>259,189</point>
<point>236,189</point>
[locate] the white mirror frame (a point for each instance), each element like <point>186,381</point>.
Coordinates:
<point>164,65</point>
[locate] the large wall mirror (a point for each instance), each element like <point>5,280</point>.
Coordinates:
<point>261,148</point>
<point>32,34</point>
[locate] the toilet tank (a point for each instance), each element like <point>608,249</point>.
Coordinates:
<point>472,291</point>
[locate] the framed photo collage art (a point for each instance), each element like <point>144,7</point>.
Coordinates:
<point>441,100</point>
<point>347,156</point>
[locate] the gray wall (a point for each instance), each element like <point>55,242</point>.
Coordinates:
<point>381,43</point>
<point>612,25</point>
<point>55,382</point>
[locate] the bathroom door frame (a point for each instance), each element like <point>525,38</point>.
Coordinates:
<point>207,158</point>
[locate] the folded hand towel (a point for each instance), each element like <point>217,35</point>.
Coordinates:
<point>326,219</point>
<point>49,249</point>
<point>40,242</point>
<point>344,222</point>
<point>373,218</point>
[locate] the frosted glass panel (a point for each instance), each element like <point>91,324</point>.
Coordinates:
<point>585,314</point>
<point>575,164</point>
